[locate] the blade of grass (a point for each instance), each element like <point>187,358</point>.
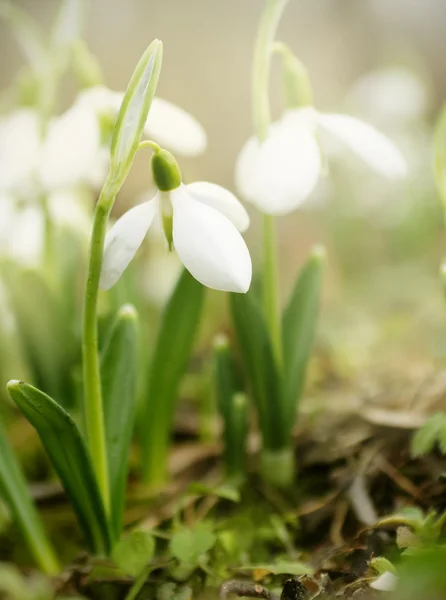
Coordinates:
<point>119,374</point>
<point>179,324</point>
<point>299,330</point>
<point>258,358</point>
<point>69,457</point>
<point>14,491</point>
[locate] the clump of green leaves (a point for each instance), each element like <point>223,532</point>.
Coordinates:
<point>433,432</point>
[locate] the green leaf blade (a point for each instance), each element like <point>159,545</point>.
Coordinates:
<point>119,374</point>
<point>14,490</point>
<point>69,457</point>
<point>299,329</point>
<point>179,324</point>
<point>257,354</point>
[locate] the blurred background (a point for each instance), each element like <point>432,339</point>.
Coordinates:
<point>381,60</point>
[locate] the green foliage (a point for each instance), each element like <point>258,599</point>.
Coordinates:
<point>178,328</point>
<point>257,353</point>
<point>14,491</point>
<point>189,544</point>
<point>69,457</point>
<point>382,565</point>
<point>233,407</point>
<point>134,552</point>
<point>299,330</point>
<point>119,374</point>
<point>431,433</point>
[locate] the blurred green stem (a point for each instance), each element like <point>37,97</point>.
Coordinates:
<point>93,405</point>
<point>440,158</point>
<point>261,114</point>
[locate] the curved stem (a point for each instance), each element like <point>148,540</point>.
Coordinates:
<point>94,416</point>
<point>261,113</point>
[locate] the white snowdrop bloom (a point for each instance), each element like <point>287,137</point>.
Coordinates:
<point>201,220</point>
<point>387,582</point>
<point>19,148</point>
<point>21,231</point>
<point>167,124</point>
<point>71,153</point>
<point>394,95</point>
<point>278,175</point>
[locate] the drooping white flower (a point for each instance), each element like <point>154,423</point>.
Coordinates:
<point>19,150</point>
<point>167,124</point>
<point>279,174</point>
<point>387,582</point>
<point>391,95</point>
<point>73,150</point>
<point>201,220</point>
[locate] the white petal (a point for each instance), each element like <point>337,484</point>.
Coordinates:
<point>70,152</point>
<point>386,582</point>
<point>124,239</point>
<point>100,99</point>
<point>221,199</point>
<point>174,128</point>
<point>278,175</point>
<point>209,245</point>
<point>368,143</point>
<point>19,150</point>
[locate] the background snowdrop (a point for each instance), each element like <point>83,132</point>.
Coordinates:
<point>279,174</point>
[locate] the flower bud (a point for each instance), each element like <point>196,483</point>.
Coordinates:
<point>165,170</point>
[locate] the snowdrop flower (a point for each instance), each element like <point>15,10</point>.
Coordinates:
<point>279,174</point>
<point>75,148</point>
<point>386,582</point>
<point>19,150</point>
<point>201,220</point>
<point>393,95</point>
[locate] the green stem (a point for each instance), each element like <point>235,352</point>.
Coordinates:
<point>262,65</point>
<point>94,416</point>
<point>271,286</point>
<point>261,113</point>
<point>440,159</point>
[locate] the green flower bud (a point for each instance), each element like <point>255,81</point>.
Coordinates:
<point>166,172</point>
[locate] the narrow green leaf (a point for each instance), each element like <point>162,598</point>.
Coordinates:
<point>14,491</point>
<point>258,358</point>
<point>134,552</point>
<point>178,327</point>
<point>189,544</point>
<point>299,330</point>
<point>233,407</point>
<point>69,457</point>
<point>119,373</point>
<point>134,111</point>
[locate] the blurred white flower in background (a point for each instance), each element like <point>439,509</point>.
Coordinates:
<point>205,220</point>
<point>22,226</point>
<point>74,151</point>
<point>278,175</point>
<point>393,96</point>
